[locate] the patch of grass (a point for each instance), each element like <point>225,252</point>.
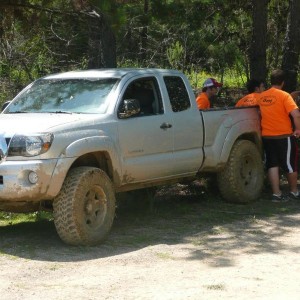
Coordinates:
<point>164,255</point>
<point>8,256</point>
<point>54,267</point>
<point>15,218</point>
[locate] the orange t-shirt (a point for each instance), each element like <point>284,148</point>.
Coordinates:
<point>203,101</point>
<point>275,106</point>
<point>248,100</point>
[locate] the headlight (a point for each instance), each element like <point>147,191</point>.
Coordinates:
<point>30,145</point>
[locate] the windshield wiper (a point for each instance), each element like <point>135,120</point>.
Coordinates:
<point>56,112</point>
<point>18,112</point>
<point>62,112</point>
<point>44,112</point>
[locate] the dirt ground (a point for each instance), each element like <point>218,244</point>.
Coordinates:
<point>190,245</point>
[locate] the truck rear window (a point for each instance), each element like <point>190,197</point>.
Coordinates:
<point>178,94</point>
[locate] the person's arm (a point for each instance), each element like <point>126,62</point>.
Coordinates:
<point>296,117</point>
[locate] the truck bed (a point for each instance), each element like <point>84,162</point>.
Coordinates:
<point>223,124</point>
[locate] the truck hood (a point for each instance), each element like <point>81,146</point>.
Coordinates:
<point>30,123</point>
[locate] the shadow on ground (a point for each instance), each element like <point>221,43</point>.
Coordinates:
<point>191,215</point>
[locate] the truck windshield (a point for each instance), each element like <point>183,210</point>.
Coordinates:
<point>64,96</point>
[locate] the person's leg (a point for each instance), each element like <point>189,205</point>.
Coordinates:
<point>273,175</point>
<point>270,147</point>
<point>289,161</point>
<point>292,180</point>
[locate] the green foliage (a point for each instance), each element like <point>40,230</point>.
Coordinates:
<point>197,78</point>
<point>278,11</point>
<point>231,79</point>
<point>196,36</point>
<point>175,54</point>
<point>207,35</point>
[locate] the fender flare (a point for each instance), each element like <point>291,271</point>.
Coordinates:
<point>247,129</point>
<point>79,148</point>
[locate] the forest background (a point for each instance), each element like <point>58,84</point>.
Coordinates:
<point>230,40</point>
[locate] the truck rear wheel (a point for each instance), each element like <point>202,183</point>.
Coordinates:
<point>85,207</point>
<point>242,178</point>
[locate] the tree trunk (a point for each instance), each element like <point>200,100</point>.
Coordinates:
<point>144,32</point>
<point>101,42</point>
<point>290,59</point>
<point>258,65</point>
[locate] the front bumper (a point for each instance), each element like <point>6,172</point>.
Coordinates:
<point>15,184</point>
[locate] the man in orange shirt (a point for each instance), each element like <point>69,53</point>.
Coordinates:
<point>279,137</point>
<point>209,90</point>
<point>254,87</point>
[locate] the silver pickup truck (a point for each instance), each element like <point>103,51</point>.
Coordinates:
<point>69,142</point>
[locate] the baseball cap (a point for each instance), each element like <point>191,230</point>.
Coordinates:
<point>211,82</point>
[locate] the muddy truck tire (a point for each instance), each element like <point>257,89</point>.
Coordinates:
<point>241,180</point>
<point>85,207</point>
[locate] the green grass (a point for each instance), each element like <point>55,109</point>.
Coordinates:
<point>15,218</point>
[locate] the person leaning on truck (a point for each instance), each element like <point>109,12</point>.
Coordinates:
<point>209,90</point>
<point>279,137</point>
<point>254,87</point>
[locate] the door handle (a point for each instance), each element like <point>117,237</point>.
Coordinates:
<point>165,126</point>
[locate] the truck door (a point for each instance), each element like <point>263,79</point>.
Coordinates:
<point>187,127</point>
<point>145,139</point>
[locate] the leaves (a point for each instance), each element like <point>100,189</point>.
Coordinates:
<point>41,36</point>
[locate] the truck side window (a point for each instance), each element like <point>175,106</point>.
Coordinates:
<point>178,94</point>
<point>147,92</point>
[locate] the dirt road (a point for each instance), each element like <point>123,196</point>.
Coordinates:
<point>180,248</point>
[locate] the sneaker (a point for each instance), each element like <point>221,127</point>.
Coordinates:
<point>279,198</point>
<point>295,196</point>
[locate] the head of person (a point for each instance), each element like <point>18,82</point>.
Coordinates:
<point>255,86</point>
<point>211,86</point>
<point>277,77</point>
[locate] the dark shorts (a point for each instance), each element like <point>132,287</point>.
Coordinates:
<point>282,153</point>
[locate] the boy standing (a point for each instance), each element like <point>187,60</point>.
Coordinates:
<point>279,138</point>
<point>254,87</point>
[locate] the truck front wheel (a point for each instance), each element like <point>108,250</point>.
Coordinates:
<point>85,207</point>
<point>242,178</point>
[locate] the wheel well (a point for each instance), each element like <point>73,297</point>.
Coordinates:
<point>99,160</point>
<point>254,138</point>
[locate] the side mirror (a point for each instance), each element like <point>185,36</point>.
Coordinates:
<point>130,107</point>
<point>4,105</point>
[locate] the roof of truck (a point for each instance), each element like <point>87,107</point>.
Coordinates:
<point>113,72</point>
